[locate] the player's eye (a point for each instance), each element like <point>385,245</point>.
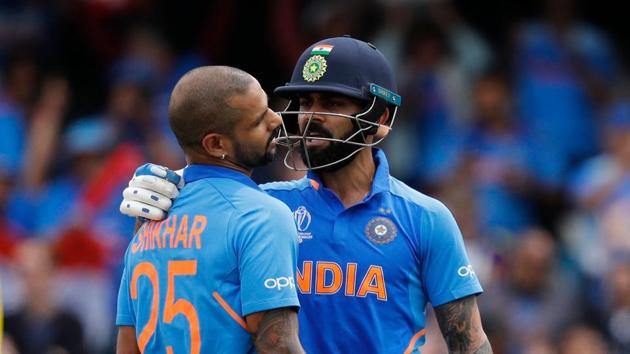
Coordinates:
<point>333,104</point>
<point>337,103</point>
<point>305,103</point>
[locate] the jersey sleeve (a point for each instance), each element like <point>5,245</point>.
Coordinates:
<point>445,267</point>
<point>124,309</point>
<point>266,245</point>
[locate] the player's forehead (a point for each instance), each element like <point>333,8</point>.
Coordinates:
<point>325,96</point>
<point>249,107</point>
<point>253,100</point>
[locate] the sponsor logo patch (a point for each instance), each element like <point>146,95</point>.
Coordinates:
<point>466,271</point>
<point>279,283</point>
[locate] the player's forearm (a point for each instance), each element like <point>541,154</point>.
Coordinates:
<point>126,343</point>
<point>460,323</point>
<point>278,333</point>
<point>484,349</point>
<point>459,344</point>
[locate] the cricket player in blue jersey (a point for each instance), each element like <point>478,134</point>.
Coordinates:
<point>218,275</point>
<point>373,251</point>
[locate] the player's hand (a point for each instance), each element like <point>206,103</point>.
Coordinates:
<point>151,191</point>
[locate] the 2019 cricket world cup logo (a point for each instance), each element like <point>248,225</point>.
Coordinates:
<point>302,219</point>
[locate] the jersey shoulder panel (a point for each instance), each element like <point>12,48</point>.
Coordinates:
<point>240,198</point>
<point>418,199</point>
<point>298,184</point>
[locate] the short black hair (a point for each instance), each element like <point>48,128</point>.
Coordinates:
<point>199,103</point>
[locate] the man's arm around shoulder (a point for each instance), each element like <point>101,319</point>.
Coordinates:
<point>460,323</point>
<point>275,331</point>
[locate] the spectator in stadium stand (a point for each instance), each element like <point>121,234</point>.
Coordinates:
<point>563,70</point>
<point>144,76</point>
<point>72,208</point>
<point>130,110</point>
<point>583,339</point>
<point>613,310</point>
<point>542,297</point>
<point>40,326</point>
<point>10,237</point>
<point>19,76</point>
<point>470,51</point>
<point>438,103</point>
<point>11,232</point>
<point>618,323</point>
<point>597,233</point>
<point>497,160</point>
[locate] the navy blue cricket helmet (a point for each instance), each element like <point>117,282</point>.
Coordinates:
<point>345,66</point>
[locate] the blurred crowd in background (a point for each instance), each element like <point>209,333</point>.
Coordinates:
<point>516,116</point>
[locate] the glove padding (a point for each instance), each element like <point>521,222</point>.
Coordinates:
<point>150,192</point>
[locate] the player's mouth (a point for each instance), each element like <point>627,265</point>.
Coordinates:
<point>316,136</point>
<point>312,140</point>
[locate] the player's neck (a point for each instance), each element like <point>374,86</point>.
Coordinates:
<point>352,182</point>
<point>212,161</point>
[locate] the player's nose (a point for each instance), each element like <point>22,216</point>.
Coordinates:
<point>315,116</point>
<point>275,120</point>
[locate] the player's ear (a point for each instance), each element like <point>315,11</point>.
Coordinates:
<point>215,145</point>
<point>383,120</point>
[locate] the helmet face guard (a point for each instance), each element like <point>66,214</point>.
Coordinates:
<point>364,125</point>
<point>344,66</point>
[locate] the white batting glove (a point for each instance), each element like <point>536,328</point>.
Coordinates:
<point>151,191</point>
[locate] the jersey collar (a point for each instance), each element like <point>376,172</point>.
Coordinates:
<point>381,176</point>
<point>196,172</point>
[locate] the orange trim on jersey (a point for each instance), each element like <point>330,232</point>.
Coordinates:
<point>315,184</point>
<point>229,310</point>
<point>413,341</point>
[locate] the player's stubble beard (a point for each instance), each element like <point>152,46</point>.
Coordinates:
<point>335,151</point>
<point>251,157</point>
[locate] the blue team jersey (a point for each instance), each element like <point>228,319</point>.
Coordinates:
<point>226,250</point>
<point>366,273</point>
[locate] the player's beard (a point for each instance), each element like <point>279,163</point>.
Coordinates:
<point>335,151</point>
<point>252,157</point>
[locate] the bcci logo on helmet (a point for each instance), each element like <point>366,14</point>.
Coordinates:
<point>302,221</point>
<point>314,68</point>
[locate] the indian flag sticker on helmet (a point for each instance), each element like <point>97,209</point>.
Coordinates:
<point>322,49</point>
<point>314,68</point>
